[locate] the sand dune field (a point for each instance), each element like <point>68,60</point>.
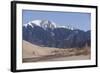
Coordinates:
<point>35,53</point>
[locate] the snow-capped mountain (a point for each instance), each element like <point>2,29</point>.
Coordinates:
<point>45,24</point>
<point>46,33</point>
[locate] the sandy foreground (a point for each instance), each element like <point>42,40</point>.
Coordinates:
<point>70,58</point>
<point>34,53</point>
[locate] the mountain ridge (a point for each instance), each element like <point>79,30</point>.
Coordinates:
<point>46,33</point>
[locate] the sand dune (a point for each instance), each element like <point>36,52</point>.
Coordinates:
<point>32,53</point>
<point>31,50</point>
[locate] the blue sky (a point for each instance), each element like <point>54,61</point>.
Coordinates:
<point>75,19</point>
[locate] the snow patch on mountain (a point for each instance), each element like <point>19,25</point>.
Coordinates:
<point>42,23</point>
<point>37,22</point>
<point>46,24</point>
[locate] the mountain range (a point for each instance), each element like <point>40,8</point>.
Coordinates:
<point>47,34</point>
